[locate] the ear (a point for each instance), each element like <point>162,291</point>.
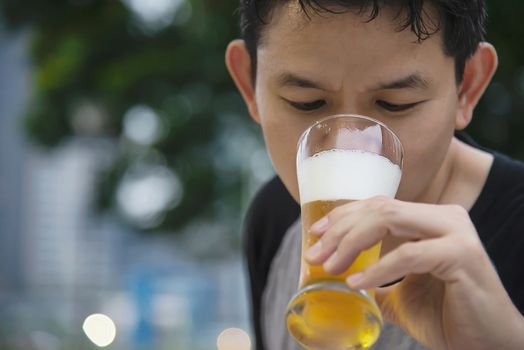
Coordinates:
<point>478,71</point>
<point>239,65</point>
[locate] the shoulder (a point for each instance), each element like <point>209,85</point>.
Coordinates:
<point>504,187</point>
<point>509,168</point>
<point>499,218</point>
<point>272,206</point>
<point>514,173</point>
<point>270,214</point>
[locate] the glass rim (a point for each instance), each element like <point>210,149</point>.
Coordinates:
<point>355,116</point>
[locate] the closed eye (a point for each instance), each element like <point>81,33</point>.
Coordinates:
<point>394,107</point>
<point>307,106</point>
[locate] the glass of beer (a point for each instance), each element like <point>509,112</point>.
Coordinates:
<point>340,159</point>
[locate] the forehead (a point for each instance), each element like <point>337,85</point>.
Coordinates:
<point>346,43</point>
<point>390,18</point>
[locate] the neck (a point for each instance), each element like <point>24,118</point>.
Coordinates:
<point>461,177</point>
<point>434,193</point>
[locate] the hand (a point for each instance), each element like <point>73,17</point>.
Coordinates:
<point>451,296</point>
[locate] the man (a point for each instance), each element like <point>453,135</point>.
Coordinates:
<point>455,232</point>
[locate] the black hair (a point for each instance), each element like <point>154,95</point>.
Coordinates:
<point>462,22</point>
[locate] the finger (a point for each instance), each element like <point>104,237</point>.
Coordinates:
<point>361,228</point>
<point>405,219</point>
<point>368,230</point>
<point>428,256</point>
<point>365,233</point>
<point>416,221</point>
<point>383,216</point>
<point>322,225</point>
<point>330,240</point>
<point>319,252</point>
<point>334,226</point>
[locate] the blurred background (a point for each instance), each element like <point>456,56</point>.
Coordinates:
<point>127,161</point>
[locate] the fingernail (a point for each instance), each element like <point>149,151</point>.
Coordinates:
<point>328,265</point>
<point>313,251</point>
<point>353,279</point>
<point>320,225</point>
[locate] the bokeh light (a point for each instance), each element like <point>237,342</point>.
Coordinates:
<point>233,339</point>
<point>141,125</point>
<point>147,192</point>
<point>100,329</point>
<point>158,14</point>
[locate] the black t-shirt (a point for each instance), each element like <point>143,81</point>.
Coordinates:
<point>498,215</point>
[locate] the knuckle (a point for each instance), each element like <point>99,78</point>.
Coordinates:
<point>378,201</point>
<point>453,253</point>
<point>332,238</point>
<point>386,208</point>
<point>337,234</point>
<point>337,213</point>
<point>390,209</point>
<point>327,242</point>
<point>457,212</point>
<point>457,219</point>
<point>408,252</point>
<point>465,237</point>
<point>346,243</point>
<point>469,246</point>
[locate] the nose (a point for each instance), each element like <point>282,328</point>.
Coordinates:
<point>350,108</point>
<point>364,110</point>
<point>352,131</point>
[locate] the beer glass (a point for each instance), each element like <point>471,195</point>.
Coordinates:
<point>340,159</point>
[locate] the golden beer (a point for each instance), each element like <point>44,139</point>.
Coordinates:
<point>332,318</point>
<point>340,159</point>
<point>311,213</point>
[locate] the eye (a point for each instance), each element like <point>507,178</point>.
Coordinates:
<point>307,106</point>
<point>394,107</point>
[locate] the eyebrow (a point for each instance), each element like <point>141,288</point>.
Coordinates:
<point>290,79</point>
<point>412,81</point>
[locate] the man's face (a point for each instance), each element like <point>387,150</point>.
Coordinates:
<point>331,64</point>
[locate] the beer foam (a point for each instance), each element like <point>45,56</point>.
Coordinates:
<point>346,174</point>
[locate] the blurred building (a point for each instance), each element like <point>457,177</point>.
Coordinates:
<point>62,245</point>
<point>14,90</point>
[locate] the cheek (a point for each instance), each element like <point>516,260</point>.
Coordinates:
<point>281,147</point>
<point>426,142</point>
<point>281,133</point>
